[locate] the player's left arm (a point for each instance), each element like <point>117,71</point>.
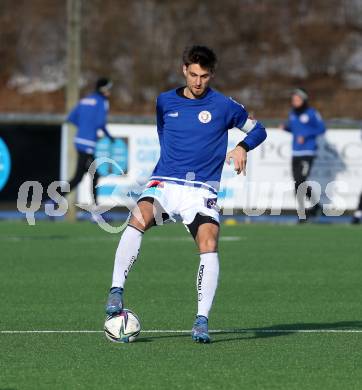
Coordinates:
<point>316,125</point>
<point>102,113</point>
<point>255,135</point>
<point>107,133</point>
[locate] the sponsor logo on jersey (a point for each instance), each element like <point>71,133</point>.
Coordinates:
<point>205,116</point>
<point>88,102</point>
<point>173,114</point>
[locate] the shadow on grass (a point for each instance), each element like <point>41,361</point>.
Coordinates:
<point>288,329</point>
<point>267,332</point>
<point>164,336</point>
<point>143,340</point>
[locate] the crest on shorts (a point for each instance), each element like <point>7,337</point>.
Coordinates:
<point>211,203</point>
<point>204,116</point>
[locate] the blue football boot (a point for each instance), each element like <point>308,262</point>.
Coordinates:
<point>200,330</point>
<point>115,301</point>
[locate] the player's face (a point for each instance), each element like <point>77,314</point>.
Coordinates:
<point>197,80</point>
<point>106,92</point>
<point>297,101</point>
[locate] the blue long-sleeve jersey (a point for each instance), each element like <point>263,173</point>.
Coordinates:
<point>193,136</point>
<point>307,124</point>
<point>89,115</point>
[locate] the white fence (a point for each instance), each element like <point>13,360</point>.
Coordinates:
<point>268,183</point>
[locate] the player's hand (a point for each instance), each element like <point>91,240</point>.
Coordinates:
<point>300,140</point>
<point>239,157</point>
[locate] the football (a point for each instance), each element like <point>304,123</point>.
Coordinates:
<point>123,327</point>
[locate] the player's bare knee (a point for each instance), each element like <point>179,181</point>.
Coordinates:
<point>135,222</point>
<point>142,216</point>
<point>140,223</point>
<point>208,244</point>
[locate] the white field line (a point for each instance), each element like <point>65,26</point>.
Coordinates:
<point>221,238</point>
<point>173,331</point>
<point>113,238</point>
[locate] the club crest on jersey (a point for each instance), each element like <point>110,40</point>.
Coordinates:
<point>304,118</point>
<point>204,116</point>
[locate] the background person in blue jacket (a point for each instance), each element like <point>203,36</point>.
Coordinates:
<point>89,116</point>
<point>305,124</point>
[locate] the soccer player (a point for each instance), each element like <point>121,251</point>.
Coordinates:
<point>305,124</point>
<point>192,124</point>
<point>89,116</point>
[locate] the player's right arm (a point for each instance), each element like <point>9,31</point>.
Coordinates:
<point>102,112</point>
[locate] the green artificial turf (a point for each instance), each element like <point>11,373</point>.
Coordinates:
<point>275,281</point>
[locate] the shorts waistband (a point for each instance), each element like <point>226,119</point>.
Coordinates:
<point>190,183</point>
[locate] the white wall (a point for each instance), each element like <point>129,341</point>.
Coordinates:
<point>268,183</point>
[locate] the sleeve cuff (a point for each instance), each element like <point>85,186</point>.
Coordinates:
<point>244,145</point>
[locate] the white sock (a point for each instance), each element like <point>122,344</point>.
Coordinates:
<point>206,282</point>
<point>126,255</point>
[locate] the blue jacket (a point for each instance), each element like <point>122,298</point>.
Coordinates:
<point>89,115</point>
<point>307,124</point>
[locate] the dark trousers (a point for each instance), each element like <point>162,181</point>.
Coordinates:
<point>83,163</point>
<point>301,167</point>
<point>360,203</point>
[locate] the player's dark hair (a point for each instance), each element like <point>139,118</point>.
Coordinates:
<point>201,55</point>
<point>103,82</point>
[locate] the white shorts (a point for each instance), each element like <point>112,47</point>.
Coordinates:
<point>183,200</point>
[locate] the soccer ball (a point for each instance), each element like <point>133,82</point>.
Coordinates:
<point>123,327</point>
